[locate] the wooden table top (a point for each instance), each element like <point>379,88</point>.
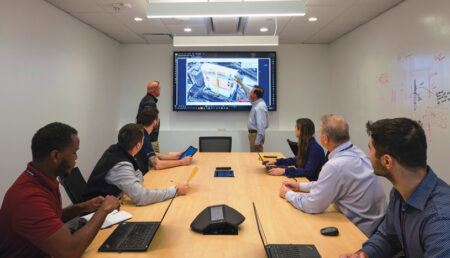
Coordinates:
<point>282,223</point>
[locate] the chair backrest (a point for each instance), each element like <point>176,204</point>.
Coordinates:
<point>74,184</point>
<point>215,144</point>
<point>293,146</point>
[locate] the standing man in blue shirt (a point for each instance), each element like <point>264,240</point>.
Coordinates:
<point>150,100</point>
<point>258,120</point>
<point>346,179</point>
<point>417,220</point>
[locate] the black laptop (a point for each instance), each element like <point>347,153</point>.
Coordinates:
<point>132,236</point>
<point>286,250</point>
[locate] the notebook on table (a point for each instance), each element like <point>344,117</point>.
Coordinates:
<point>285,250</point>
<point>132,236</point>
<point>113,218</point>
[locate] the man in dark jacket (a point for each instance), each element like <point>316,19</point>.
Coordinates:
<point>150,100</point>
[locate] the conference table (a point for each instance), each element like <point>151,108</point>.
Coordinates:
<point>282,223</point>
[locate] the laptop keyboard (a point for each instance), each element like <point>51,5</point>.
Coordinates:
<point>290,251</point>
<point>129,236</point>
<point>285,251</point>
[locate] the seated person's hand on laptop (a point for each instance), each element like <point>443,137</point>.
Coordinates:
<point>269,162</point>
<point>110,203</point>
<point>291,185</point>
<point>277,171</point>
<point>182,188</point>
<point>186,160</point>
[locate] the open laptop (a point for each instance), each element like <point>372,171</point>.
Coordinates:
<point>269,167</point>
<point>132,236</point>
<point>285,250</point>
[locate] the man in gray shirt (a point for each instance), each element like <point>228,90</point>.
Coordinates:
<point>346,179</point>
<point>117,171</point>
<point>258,120</point>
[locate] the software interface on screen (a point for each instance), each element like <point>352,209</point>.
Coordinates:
<point>206,81</point>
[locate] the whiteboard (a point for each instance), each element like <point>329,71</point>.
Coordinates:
<point>398,65</point>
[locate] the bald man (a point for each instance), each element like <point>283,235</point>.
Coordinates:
<point>346,179</point>
<point>150,100</point>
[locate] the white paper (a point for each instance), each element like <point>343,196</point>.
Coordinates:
<point>113,217</point>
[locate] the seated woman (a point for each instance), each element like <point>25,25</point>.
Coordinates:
<point>310,157</point>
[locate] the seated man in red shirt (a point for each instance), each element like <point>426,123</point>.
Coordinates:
<point>32,218</point>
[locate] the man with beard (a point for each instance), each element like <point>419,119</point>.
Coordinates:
<point>32,218</point>
<point>417,220</point>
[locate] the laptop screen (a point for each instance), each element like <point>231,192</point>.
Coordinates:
<point>168,206</point>
<point>260,229</point>
<point>260,158</point>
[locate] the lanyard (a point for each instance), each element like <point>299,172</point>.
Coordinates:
<point>38,179</point>
<point>328,152</point>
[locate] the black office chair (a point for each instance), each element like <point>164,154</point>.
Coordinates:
<point>74,184</point>
<point>293,146</point>
<point>215,144</point>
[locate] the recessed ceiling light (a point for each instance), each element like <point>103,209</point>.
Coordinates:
<point>263,29</point>
<point>312,19</point>
<point>138,19</point>
<point>187,29</point>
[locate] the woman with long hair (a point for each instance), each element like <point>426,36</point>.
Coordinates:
<point>310,157</point>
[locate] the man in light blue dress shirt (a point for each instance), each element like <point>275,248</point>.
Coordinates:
<point>417,220</point>
<point>346,179</point>
<point>258,120</point>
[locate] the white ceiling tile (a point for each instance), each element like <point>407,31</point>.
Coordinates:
<point>382,3</point>
<point>96,18</point>
<point>146,26</point>
<point>335,18</point>
<point>300,29</point>
<point>197,30</point>
<point>158,39</point>
<point>340,3</point>
<point>255,23</point>
<point>71,6</point>
<point>345,23</point>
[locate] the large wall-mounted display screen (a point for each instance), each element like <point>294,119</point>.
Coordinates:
<point>206,80</point>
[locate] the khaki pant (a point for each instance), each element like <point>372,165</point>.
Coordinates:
<point>251,141</point>
<point>155,146</point>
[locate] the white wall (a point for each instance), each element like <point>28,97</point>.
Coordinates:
<point>302,91</point>
<point>53,68</point>
<point>373,71</point>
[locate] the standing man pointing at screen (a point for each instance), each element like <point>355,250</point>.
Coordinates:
<point>258,120</point>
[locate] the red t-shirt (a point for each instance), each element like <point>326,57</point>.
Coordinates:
<point>31,212</point>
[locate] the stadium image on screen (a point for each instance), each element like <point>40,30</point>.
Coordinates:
<point>206,80</point>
